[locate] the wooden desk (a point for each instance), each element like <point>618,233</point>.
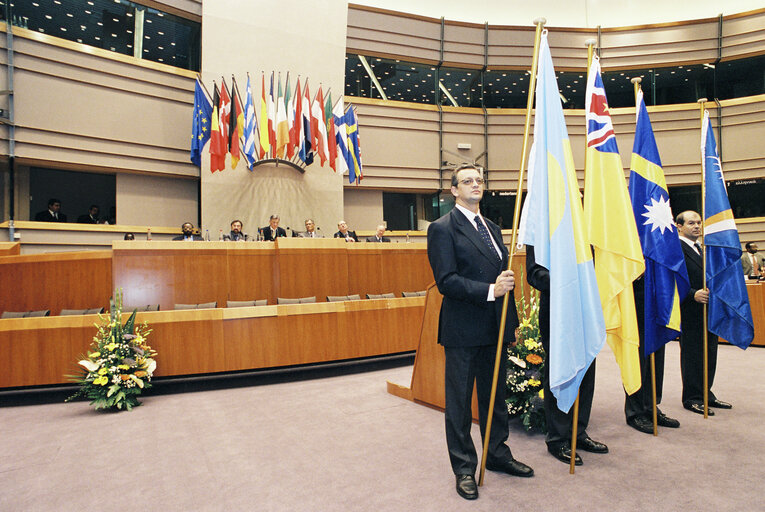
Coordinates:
<point>75,280</point>
<point>10,248</point>
<point>42,351</point>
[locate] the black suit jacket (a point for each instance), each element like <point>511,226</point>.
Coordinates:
<point>86,219</point>
<point>351,234</point>
<point>464,266</point>
<point>196,238</point>
<point>45,216</point>
<point>267,233</point>
<point>233,237</point>
<point>374,239</point>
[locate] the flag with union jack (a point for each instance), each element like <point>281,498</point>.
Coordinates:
<point>612,231</point>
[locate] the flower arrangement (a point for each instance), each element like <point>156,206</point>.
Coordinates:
<point>119,364</point>
<point>525,369</point>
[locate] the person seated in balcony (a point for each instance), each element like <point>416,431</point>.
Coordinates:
<point>91,217</point>
<point>344,232</point>
<point>272,231</point>
<point>236,234</point>
<point>187,228</point>
<point>53,213</point>
<point>379,235</point>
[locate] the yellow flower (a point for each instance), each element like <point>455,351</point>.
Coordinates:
<point>534,383</point>
<point>95,355</point>
<point>123,367</point>
<point>541,393</point>
<point>139,339</point>
<point>525,323</point>
<point>111,346</point>
<point>101,381</point>
<point>531,344</point>
<point>102,371</point>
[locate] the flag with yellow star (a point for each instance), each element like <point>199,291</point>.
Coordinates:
<point>200,126</point>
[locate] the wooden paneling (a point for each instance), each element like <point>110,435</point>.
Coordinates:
<point>10,248</point>
<point>56,281</point>
<point>756,293</point>
<point>307,268</point>
<point>43,351</point>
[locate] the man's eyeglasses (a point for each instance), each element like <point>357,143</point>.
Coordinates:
<point>469,181</point>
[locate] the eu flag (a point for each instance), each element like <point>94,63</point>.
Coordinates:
<point>553,222</point>
<point>200,126</point>
<point>666,278</point>
<point>729,314</point>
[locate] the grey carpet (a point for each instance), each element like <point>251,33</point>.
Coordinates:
<point>343,443</point>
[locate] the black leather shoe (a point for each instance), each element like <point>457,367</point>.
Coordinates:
<point>589,445</point>
<point>641,424</point>
<point>720,404</point>
<point>563,454</point>
<point>665,421</point>
<point>697,408</point>
<point>511,467</point>
<point>466,487</point>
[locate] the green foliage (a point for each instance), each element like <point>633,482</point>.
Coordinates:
<point>119,364</point>
<point>525,367</point>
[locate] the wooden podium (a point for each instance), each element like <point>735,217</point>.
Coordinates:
<point>427,386</point>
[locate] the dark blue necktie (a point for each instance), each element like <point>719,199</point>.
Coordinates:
<point>485,236</point>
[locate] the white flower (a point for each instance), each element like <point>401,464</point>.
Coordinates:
<point>88,365</point>
<point>518,362</point>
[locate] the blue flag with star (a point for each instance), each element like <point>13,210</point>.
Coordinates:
<point>666,278</point>
<point>200,125</point>
<point>729,314</point>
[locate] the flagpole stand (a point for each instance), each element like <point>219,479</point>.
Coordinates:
<point>701,103</point>
<point>539,22</point>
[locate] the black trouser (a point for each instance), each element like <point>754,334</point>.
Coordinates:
<point>464,365</point>
<point>559,423</point>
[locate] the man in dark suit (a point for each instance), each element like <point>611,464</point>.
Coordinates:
<point>692,322</point>
<point>559,423</point>
<point>272,231</point>
<point>344,232</point>
<point>236,234</point>
<point>187,228</point>
<point>91,217</point>
<point>53,213</point>
<point>467,256</point>
<point>379,235</point>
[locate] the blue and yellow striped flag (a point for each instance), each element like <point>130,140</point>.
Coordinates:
<point>666,278</point>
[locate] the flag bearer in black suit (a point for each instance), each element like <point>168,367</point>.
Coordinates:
<point>467,256</point>
<point>692,322</point>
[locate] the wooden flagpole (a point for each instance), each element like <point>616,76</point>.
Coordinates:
<point>701,102</point>
<point>636,82</point>
<point>539,22</point>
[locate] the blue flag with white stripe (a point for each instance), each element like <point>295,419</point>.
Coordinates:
<point>729,314</point>
<point>249,127</point>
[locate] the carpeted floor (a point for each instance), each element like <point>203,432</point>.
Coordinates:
<point>340,442</point>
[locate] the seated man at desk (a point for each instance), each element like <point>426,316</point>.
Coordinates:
<point>310,230</point>
<point>344,232</point>
<point>379,235</point>
<point>91,217</point>
<point>187,228</point>
<point>236,234</point>
<point>272,231</point>
<point>753,262</point>
<point>53,213</point>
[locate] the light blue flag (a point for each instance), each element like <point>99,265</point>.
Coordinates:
<point>666,278</point>
<point>553,222</point>
<point>249,128</point>
<point>729,314</point>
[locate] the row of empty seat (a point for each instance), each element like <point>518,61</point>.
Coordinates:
<point>211,305</point>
